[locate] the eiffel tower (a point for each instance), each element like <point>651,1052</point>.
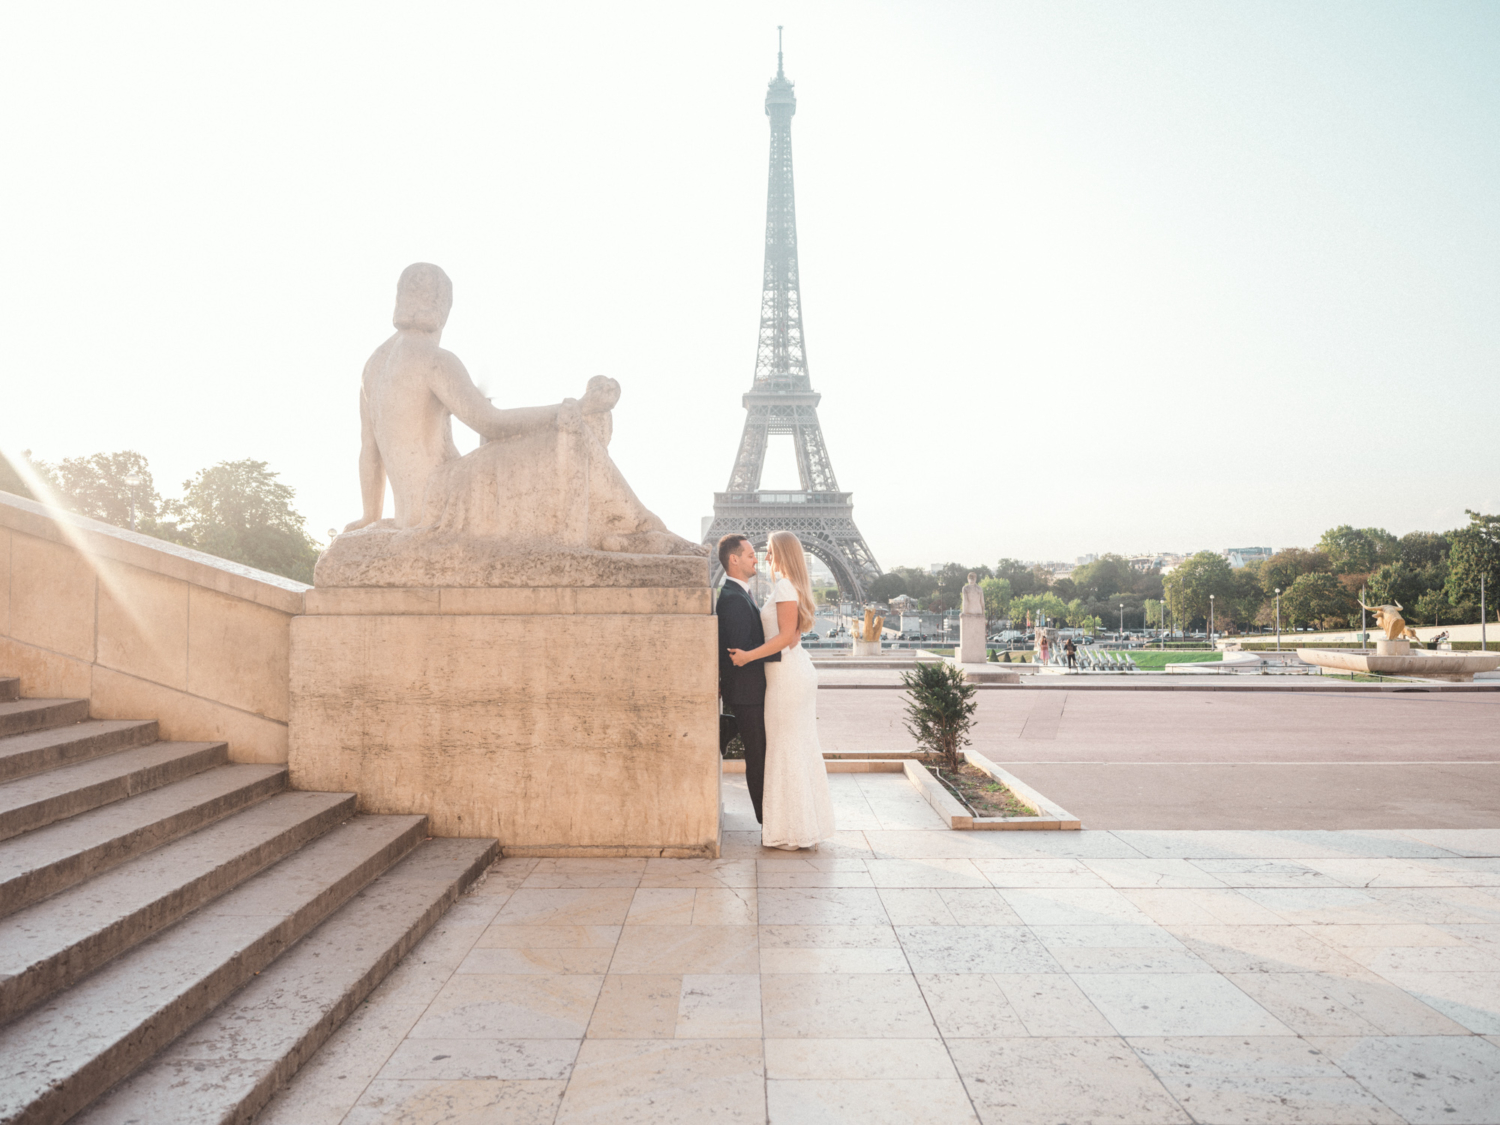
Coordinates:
<point>781,399</point>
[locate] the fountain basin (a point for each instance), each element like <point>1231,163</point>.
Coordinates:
<point>1396,658</point>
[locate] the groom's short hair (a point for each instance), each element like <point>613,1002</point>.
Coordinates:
<point>728,546</point>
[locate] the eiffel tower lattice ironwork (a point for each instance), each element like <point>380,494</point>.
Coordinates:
<point>781,399</point>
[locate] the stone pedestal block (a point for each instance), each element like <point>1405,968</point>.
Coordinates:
<point>557,723</point>
<point>1392,648</point>
<point>971,649</point>
<point>866,648</point>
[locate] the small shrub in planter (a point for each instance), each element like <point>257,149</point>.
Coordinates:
<point>940,709</point>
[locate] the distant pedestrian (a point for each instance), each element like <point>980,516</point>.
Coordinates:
<point>1072,653</point>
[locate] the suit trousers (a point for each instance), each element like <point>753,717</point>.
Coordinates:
<point>750,722</point>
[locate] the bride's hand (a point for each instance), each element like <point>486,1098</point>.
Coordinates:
<point>739,656</point>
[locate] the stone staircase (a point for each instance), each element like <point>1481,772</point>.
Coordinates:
<point>178,934</point>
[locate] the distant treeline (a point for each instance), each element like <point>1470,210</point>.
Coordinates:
<point>236,510</point>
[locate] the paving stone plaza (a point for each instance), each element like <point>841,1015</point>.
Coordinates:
<point>907,973</point>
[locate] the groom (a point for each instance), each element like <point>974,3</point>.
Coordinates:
<point>744,689</point>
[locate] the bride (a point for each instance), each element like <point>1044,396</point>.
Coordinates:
<point>797,806</point>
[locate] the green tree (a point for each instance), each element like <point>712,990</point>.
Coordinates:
<point>1189,586</point>
<point>889,585</point>
<point>996,597</point>
<point>238,510</point>
<point>1023,579</point>
<point>940,708</point>
<point>96,486</point>
<point>1358,550</point>
<point>1036,604</point>
<point>1285,567</point>
<point>1106,577</point>
<point>11,481</point>
<point>1418,549</point>
<point>1475,552</point>
<point>1316,599</point>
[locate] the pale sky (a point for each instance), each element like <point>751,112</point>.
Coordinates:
<point>1077,277</point>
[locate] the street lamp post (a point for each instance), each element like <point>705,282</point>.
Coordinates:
<point>1278,618</point>
<point>132,482</point>
<point>1364,636</point>
<point>1122,622</point>
<point>1210,621</point>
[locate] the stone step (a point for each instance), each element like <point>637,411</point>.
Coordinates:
<point>32,802</point>
<point>60,1057</point>
<point>10,688</point>
<point>21,715</point>
<point>227,1067</point>
<point>54,858</point>
<point>22,755</point>
<point>48,947</point>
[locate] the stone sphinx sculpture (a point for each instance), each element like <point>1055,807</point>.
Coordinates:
<point>1388,617</point>
<point>540,502</point>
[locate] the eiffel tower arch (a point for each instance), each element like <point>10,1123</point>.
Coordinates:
<point>781,399</point>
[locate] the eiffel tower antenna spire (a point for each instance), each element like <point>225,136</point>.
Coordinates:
<point>781,399</point>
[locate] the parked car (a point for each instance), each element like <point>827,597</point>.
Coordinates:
<point>811,637</point>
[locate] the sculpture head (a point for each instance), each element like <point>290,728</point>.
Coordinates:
<point>424,296</point>
<point>973,578</point>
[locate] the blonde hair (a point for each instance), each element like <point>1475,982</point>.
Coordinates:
<point>792,564</point>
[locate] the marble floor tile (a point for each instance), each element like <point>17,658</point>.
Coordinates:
<point>1200,907</point>
<point>1242,873</point>
<point>1260,1081</point>
<point>661,906</point>
<point>834,906</point>
<point>560,873</point>
<point>1051,1005</point>
<point>448,1060</point>
<point>998,845</point>
<point>1266,949</point>
<point>975,949</point>
<point>725,906</point>
<point>1073,907</point>
<point>1426,1080</point>
<point>1118,949</point>
<point>1330,1004</point>
<point>844,1006</point>
<point>913,906</point>
<point>1040,871</point>
<point>925,873</point>
<point>474,1006</point>
<point>970,1006</point>
<point>636,1007</point>
<point>1486,937</point>
<point>512,960</point>
<point>813,859</point>
<point>1381,936</point>
<point>387,1102</point>
<point>1146,873</point>
<point>977,907</point>
<point>1390,872</point>
<point>1440,906</point>
<point>549,937</point>
<point>1047,1081</point>
<point>503,876</point>
<point>666,1082</point>
<point>1328,905</point>
<point>719,1007</point>
<point>857,1059</point>
<point>833,961</point>
<point>1460,841</point>
<point>811,878</point>
<point>698,873</point>
<point>877,1101</point>
<point>687,949</point>
<point>1425,959</point>
<point>603,906</point>
<point>1471,999</point>
<point>828,937</point>
<point>1176,1004</point>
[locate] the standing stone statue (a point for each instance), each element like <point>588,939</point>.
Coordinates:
<point>538,503</point>
<point>971,623</point>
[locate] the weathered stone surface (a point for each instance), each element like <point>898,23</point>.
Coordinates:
<point>425,557</point>
<point>569,732</point>
<point>24,754</point>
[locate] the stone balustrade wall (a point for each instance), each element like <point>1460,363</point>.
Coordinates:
<point>145,629</point>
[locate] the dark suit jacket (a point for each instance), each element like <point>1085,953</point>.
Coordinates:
<point>739,627</point>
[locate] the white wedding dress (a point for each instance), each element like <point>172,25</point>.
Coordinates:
<point>797,807</point>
